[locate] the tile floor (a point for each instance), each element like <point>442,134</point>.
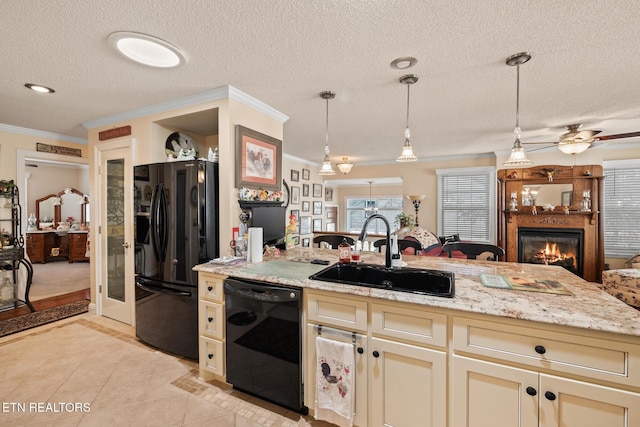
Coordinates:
<point>92,371</point>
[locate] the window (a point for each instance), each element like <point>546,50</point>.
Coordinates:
<point>389,207</point>
<point>621,208</point>
<point>467,203</point>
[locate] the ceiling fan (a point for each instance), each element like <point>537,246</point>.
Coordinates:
<point>576,140</point>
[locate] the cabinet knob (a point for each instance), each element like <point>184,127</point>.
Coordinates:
<point>209,288</point>
<point>376,354</point>
<point>125,245</point>
<point>531,391</point>
<point>540,349</point>
<point>550,395</point>
<point>210,356</point>
<point>360,350</point>
<point>210,319</point>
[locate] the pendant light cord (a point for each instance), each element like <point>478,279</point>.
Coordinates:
<point>408,94</point>
<point>518,96</point>
<point>326,140</point>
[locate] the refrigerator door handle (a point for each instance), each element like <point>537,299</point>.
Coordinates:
<point>159,235</point>
<point>162,289</point>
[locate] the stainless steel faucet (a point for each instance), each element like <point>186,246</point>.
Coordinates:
<point>363,234</point>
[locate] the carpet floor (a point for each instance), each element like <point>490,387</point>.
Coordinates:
<point>31,320</point>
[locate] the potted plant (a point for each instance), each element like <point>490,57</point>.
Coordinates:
<point>404,220</point>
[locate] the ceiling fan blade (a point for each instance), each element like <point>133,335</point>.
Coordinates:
<point>530,150</point>
<point>619,136</point>
<point>539,143</point>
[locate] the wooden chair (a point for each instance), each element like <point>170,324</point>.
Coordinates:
<point>333,240</point>
<point>472,250</point>
<point>402,245</point>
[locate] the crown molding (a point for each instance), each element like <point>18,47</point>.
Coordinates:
<point>42,134</point>
<point>211,95</point>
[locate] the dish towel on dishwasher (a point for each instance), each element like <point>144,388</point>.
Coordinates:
<point>335,391</point>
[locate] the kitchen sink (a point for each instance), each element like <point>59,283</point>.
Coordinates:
<point>406,279</point>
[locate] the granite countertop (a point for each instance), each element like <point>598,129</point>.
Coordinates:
<point>588,307</point>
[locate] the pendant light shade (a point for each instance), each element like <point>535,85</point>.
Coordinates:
<point>407,151</point>
<point>326,168</point>
<point>517,157</point>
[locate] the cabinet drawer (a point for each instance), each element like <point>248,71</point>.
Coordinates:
<point>608,360</point>
<point>409,324</point>
<point>211,286</point>
<point>342,312</point>
<point>211,319</point>
<point>212,355</point>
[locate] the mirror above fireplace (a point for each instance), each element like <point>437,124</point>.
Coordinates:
<point>546,194</point>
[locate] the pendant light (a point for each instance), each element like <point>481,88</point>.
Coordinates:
<point>517,157</point>
<point>407,152</point>
<point>370,208</point>
<point>326,168</point>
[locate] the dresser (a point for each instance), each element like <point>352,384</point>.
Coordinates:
<point>44,246</point>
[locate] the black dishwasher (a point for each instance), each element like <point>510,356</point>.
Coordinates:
<point>264,341</point>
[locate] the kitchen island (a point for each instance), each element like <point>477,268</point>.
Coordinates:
<point>487,356</point>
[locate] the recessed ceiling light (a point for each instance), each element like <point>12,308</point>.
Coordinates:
<point>404,62</point>
<point>39,88</point>
<point>146,49</point>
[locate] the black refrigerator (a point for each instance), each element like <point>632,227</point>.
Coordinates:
<point>176,220</point>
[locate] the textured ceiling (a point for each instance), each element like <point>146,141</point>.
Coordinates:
<point>584,69</point>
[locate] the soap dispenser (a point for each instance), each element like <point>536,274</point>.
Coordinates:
<point>396,258</point>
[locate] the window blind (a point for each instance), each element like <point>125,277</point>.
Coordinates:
<point>467,204</point>
<point>621,216</point>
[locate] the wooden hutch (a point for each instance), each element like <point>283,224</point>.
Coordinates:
<point>573,215</point>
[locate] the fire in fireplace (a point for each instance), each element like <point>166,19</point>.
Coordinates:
<point>551,246</point>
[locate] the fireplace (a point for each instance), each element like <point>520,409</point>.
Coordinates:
<point>552,246</point>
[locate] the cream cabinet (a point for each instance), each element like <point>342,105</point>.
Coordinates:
<point>508,375</point>
<point>211,325</point>
<point>400,380</point>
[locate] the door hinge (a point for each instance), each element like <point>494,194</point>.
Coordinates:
<point>99,289</point>
<point>99,229</point>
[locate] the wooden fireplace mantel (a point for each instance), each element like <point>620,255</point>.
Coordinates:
<point>585,177</point>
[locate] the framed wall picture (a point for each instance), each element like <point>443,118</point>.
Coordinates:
<point>317,208</point>
<point>296,213</point>
<point>305,225</point>
<point>258,160</point>
<point>305,190</point>
<point>306,242</point>
<point>328,194</point>
<point>305,206</point>
<point>566,198</point>
<point>296,240</point>
<point>305,174</point>
<point>317,224</point>
<point>295,175</point>
<point>317,190</point>
<point>295,195</point>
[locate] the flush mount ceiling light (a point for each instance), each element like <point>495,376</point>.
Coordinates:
<point>403,63</point>
<point>39,88</point>
<point>518,157</point>
<point>345,166</point>
<point>146,49</point>
<point>326,168</point>
<point>407,152</point>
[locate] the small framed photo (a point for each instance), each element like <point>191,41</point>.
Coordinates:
<point>317,208</point>
<point>317,190</point>
<point>295,195</point>
<point>296,214</point>
<point>295,175</point>
<point>566,198</point>
<point>305,206</point>
<point>305,225</point>
<point>306,242</point>
<point>317,224</point>
<point>296,240</point>
<point>328,194</point>
<point>305,174</point>
<point>305,190</point>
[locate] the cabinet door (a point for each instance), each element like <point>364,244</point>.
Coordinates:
<point>569,403</point>
<point>408,385</point>
<point>488,394</point>
<point>360,409</point>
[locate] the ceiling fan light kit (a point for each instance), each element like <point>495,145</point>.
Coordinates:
<point>407,151</point>
<point>517,157</point>
<point>573,147</point>
<point>326,168</point>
